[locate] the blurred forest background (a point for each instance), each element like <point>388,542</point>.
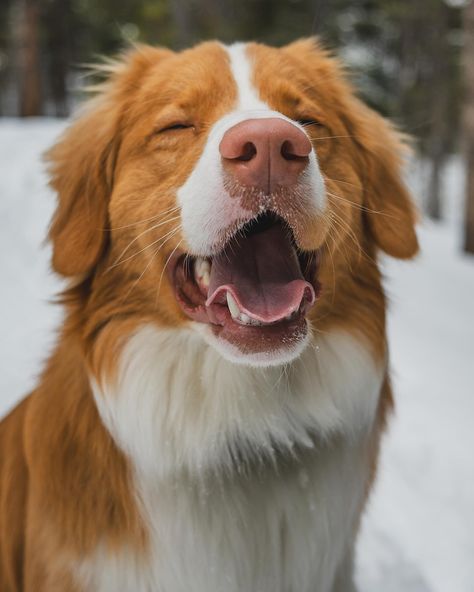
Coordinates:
<point>413,60</point>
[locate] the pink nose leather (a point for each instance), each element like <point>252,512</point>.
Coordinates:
<point>265,153</point>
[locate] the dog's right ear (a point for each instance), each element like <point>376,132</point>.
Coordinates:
<point>82,166</point>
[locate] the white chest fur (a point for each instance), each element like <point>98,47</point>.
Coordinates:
<point>249,480</point>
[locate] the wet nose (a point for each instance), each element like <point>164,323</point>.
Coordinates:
<point>265,153</point>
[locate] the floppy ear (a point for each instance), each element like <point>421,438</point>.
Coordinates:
<point>391,215</point>
<point>82,166</point>
<point>81,169</point>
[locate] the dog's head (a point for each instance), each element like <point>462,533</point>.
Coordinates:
<point>242,191</point>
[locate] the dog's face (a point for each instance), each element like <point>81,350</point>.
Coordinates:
<point>239,191</point>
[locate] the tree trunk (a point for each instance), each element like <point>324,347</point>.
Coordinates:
<point>57,21</point>
<point>437,160</point>
<point>438,106</point>
<point>181,11</point>
<point>29,74</point>
<point>469,124</point>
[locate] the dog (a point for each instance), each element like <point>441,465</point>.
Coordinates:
<point>210,418</point>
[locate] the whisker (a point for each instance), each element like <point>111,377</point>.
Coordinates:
<point>333,268</point>
<point>344,228</point>
<point>167,234</point>
<point>141,275</point>
<point>164,213</point>
<point>348,230</point>
<point>358,206</point>
<point>155,252</point>
<point>163,270</point>
<point>187,263</point>
<point>345,182</point>
<point>154,227</point>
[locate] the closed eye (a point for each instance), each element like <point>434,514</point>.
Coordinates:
<point>176,126</point>
<point>308,122</point>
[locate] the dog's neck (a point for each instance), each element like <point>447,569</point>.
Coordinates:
<point>176,405</point>
<point>224,469</point>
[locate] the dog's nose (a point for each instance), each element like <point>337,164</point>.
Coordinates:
<point>265,153</point>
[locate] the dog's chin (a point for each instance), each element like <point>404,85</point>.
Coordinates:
<point>250,300</point>
<point>258,350</point>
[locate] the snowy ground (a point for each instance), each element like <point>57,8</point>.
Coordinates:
<point>418,534</point>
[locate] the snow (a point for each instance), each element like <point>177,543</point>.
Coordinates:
<point>417,535</point>
<point>423,508</point>
<point>27,319</point>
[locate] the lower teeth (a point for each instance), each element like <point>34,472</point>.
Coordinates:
<point>243,319</point>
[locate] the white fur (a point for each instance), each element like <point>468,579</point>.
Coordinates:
<point>291,348</point>
<point>207,411</point>
<point>248,479</point>
<point>207,209</point>
<point>273,532</point>
<point>248,99</point>
<point>204,214</point>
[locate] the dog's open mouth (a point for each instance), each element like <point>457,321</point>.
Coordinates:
<point>256,292</point>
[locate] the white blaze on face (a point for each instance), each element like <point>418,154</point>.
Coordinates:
<point>248,98</point>
<point>206,207</point>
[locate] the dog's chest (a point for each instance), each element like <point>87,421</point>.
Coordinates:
<point>285,531</point>
<point>267,519</point>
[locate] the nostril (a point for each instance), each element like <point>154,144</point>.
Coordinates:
<point>249,150</point>
<point>289,152</point>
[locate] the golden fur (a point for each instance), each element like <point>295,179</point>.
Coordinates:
<point>64,484</point>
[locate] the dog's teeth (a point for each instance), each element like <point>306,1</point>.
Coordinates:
<point>239,317</point>
<point>198,263</point>
<point>202,271</point>
<point>232,305</point>
<point>206,278</point>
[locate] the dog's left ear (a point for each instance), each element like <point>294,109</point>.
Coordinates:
<point>379,151</point>
<point>390,213</point>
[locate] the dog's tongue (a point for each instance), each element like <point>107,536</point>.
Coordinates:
<point>263,274</point>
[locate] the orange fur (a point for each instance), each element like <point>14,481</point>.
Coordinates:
<point>64,485</point>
